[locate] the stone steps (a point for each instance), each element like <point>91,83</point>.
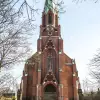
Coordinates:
<point>50,96</point>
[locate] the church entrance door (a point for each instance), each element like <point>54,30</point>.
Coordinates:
<point>50,92</point>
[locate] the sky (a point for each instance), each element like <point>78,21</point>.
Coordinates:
<point>80,30</point>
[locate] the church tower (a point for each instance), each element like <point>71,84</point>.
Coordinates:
<point>50,74</point>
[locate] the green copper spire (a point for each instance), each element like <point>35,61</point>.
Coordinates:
<point>48,6</point>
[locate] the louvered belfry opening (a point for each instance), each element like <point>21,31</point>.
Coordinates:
<point>50,92</point>
<point>50,18</point>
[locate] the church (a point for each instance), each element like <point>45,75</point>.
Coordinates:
<point>50,74</point>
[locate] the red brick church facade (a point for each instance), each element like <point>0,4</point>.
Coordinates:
<point>50,74</point>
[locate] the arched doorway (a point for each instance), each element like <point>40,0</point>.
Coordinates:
<point>50,92</point>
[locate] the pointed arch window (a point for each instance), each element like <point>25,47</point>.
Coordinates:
<point>50,18</point>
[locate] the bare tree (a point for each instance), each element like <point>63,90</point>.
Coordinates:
<point>14,45</point>
<point>89,88</point>
<point>8,83</point>
<point>8,10</point>
<point>14,39</point>
<point>94,67</point>
<point>88,85</point>
<point>14,32</point>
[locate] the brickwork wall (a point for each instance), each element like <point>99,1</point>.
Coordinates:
<point>64,74</point>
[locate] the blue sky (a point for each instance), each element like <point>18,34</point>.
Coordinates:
<point>80,30</point>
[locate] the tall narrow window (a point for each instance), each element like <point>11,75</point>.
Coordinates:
<point>56,20</point>
<point>44,20</point>
<point>50,19</point>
